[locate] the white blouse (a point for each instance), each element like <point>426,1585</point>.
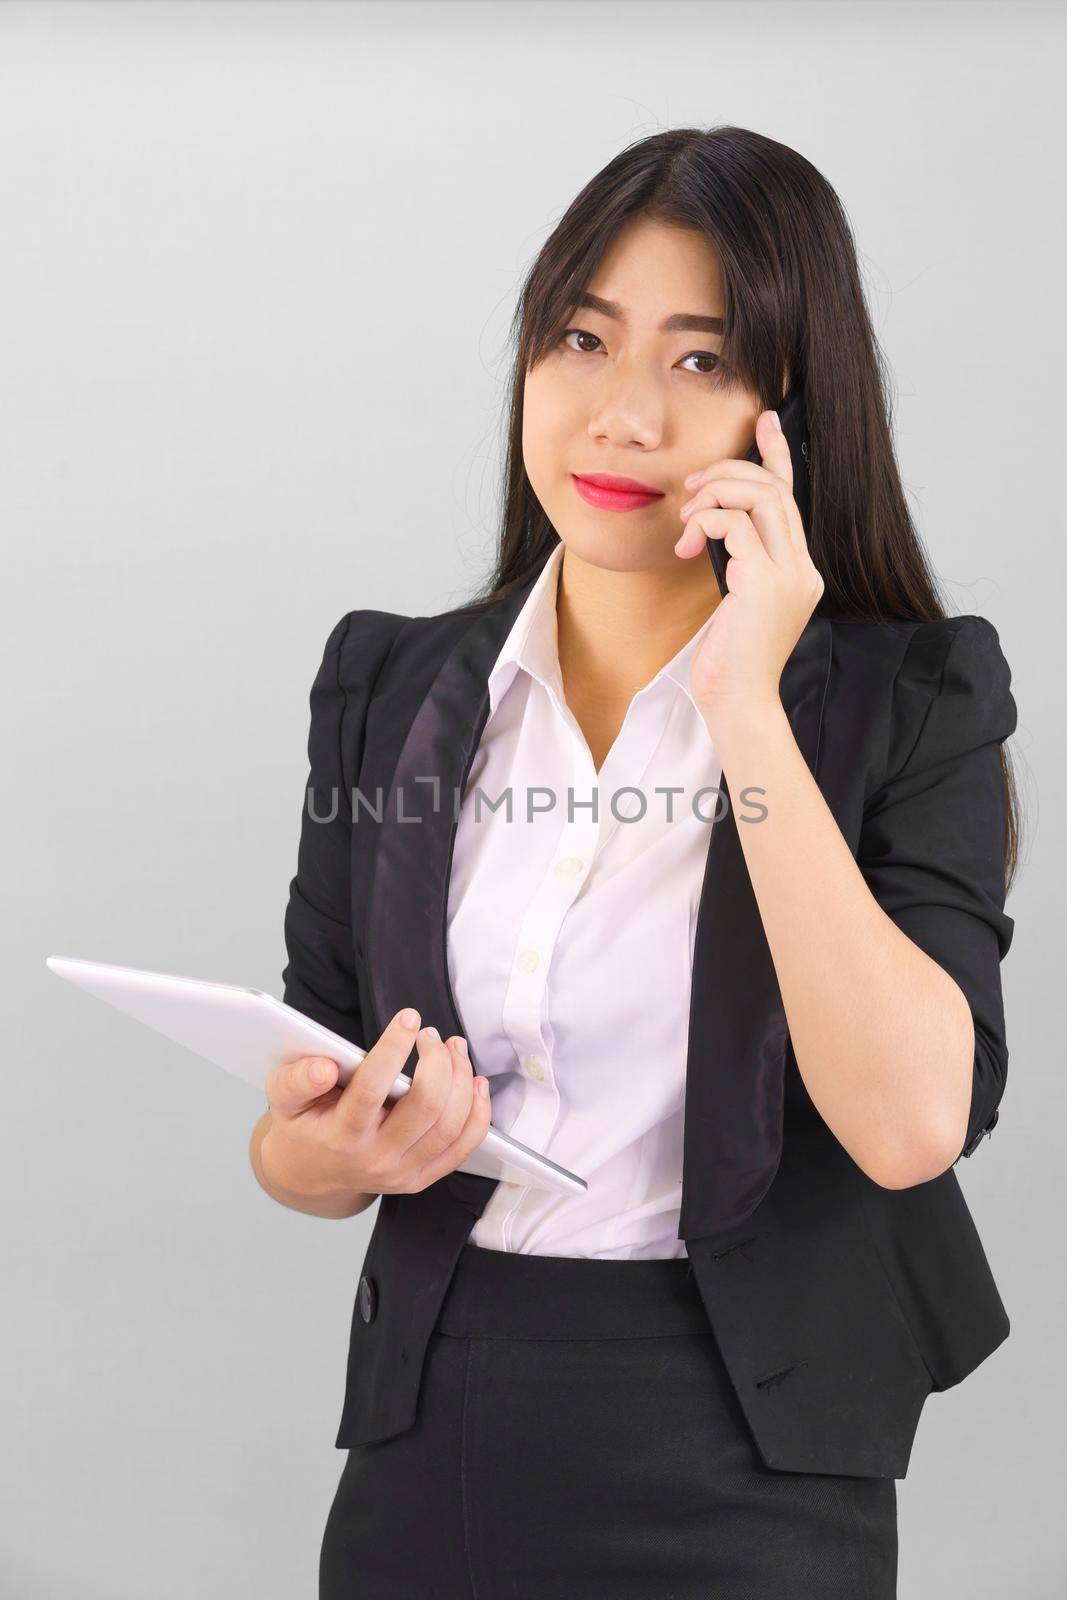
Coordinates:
<point>571,927</point>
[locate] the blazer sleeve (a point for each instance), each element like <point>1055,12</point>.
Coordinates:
<point>320,978</point>
<point>931,844</point>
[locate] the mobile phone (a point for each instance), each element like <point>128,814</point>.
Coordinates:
<point>794,419</point>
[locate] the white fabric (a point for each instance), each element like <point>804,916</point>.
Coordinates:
<point>570,943</point>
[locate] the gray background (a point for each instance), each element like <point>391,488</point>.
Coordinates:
<point>257,271</point>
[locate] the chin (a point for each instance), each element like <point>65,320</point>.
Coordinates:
<point>620,554</point>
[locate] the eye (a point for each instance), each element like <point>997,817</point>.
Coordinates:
<point>694,355</point>
<point>705,355</point>
<point>581,333</point>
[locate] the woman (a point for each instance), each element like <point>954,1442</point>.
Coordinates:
<point>762,1030</point>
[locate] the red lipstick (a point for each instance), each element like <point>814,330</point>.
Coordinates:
<point>610,493</point>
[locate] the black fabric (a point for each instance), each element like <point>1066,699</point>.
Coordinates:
<point>930,847</point>
<point>577,1436</point>
<point>863,1299</point>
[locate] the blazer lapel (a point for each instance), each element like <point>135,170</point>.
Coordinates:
<point>735,1069</point>
<point>437,714</point>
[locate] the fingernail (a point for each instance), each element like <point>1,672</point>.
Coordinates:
<point>777,421</point>
<point>683,511</point>
<point>692,478</point>
<point>409,1018</point>
<point>461,1046</point>
<point>319,1072</point>
<point>431,1030</point>
<point>483,1088</point>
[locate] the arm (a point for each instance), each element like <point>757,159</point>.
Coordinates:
<point>889,964</point>
<point>320,978</point>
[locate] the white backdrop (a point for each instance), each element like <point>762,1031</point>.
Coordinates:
<point>257,271</point>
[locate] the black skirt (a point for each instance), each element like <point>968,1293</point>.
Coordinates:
<point>577,1436</point>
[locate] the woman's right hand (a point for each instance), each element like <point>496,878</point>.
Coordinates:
<point>328,1142</point>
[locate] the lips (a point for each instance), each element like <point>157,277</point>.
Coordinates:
<point>606,480</point>
<point>609,493</point>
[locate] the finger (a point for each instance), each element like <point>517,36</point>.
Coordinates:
<point>729,467</point>
<point>295,1085</point>
<point>770,508</point>
<point>452,1117</point>
<point>717,524</point>
<point>431,1088</point>
<point>367,1089</point>
<point>773,447</point>
<point>474,1130</point>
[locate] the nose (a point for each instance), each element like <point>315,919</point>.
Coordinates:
<point>628,415</point>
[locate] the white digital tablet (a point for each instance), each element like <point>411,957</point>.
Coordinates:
<point>249,1033</point>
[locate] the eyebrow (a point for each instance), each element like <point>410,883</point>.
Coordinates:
<point>680,322</point>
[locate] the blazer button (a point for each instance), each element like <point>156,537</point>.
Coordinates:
<point>368,1299</point>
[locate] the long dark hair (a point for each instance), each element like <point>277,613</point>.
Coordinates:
<point>793,304</point>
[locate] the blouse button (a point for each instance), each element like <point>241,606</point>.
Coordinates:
<point>528,960</point>
<point>569,866</point>
<point>534,1068</point>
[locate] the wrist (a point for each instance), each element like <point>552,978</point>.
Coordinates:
<point>742,718</point>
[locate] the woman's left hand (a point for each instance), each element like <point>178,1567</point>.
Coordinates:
<point>774,587</point>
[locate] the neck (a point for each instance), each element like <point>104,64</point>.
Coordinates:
<point>615,630</point>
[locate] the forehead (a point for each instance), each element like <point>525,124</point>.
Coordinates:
<point>653,271</point>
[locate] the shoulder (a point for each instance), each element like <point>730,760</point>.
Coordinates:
<point>920,651</point>
<point>936,689</point>
<point>360,638</point>
<point>356,649</point>
<point>366,647</point>
<point>954,686</point>
<point>897,642</point>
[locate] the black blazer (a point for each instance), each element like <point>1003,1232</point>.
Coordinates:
<point>838,1305</point>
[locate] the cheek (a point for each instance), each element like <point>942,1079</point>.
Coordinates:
<point>549,429</point>
<point>535,448</point>
<point>726,433</point>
